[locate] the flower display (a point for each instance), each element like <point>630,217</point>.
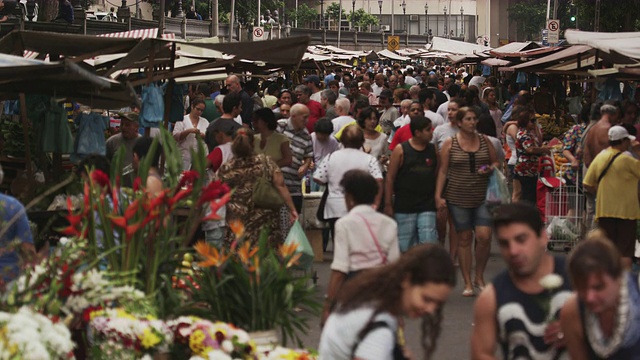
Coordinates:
<point>212,340</point>
<point>281,353</point>
<point>61,286</point>
<point>118,334</point>
<point>29,335</point>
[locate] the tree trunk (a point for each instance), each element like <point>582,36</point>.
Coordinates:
<point>47,10</point>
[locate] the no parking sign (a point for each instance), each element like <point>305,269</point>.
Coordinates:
<point>258,33</point>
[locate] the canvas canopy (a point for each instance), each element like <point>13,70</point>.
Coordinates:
<point>456,47</point>
<point>626,44</point>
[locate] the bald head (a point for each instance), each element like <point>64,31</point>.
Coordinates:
<point>352,137</point>
<point>342,106</point>
<point>233,84</point>
<point>299,116</point>
<point>298,109</point>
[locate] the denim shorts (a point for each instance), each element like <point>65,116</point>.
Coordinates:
<point>468,219</point>
<point>216,236</point>
<point>416,228</point>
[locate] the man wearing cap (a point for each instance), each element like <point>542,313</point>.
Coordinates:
<point>390,113</point>
<point>313,83</point>
<point>613,177</point>
<point>126,137</point>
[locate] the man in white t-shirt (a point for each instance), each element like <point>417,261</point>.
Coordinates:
<point>443,109</point>
<point>342,110</point>
<point>427,98</point>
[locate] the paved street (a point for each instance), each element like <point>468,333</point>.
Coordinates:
<point>458,314</point>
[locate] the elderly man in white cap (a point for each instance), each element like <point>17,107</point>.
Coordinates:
<point>613,177</point>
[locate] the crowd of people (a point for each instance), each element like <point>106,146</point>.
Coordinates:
<point>403,156</point>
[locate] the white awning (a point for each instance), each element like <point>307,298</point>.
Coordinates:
<point>625,43</point>
<point>456,47</point>
<point>393,56</point>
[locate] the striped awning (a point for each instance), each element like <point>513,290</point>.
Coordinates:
<point>139,34</point>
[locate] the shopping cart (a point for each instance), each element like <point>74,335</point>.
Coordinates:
<point>564,214</point>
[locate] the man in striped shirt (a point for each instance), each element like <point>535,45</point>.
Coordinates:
<point>302,150</point>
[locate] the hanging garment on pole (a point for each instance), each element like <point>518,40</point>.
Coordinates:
<point>152,110</point>
<point>90,135</point>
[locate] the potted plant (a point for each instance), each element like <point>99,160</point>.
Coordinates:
<point>254,288</point>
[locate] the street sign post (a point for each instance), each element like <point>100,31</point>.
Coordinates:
<point>553,26</point>
<point>258,33</point>
<point>393,43</point>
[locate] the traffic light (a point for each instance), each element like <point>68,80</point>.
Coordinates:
<point>573,18</point>
<point>573,12</point>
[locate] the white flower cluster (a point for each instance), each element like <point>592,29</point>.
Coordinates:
<point>281,353</point>
<point>115,325</point>
<point>94,289</point>
<point>29,335</point>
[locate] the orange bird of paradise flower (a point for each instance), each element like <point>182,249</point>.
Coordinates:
<point>245,253</point>
<point>289,252</point>
<point>237,227</point>
<point>210,254</point>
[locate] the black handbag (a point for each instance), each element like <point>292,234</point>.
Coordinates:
<point>323,204</point>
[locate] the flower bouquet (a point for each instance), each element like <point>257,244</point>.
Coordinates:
<point>116,334</point>
<point>253,287</point>
<point>63,285</point>
<point>206,339</point>
<point>29,335</point>
<point>281,353</point>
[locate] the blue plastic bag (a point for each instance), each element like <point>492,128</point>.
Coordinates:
<point>497,190</point>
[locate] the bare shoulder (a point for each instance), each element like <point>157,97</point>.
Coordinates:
<point>486,302</point>
<point>570,311</point>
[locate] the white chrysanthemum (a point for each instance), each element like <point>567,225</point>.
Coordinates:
<point>227,346</point>
<point>242,336</point>
<point>218,355</point>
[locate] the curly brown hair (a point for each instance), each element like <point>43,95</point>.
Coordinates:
<point>381,287</point>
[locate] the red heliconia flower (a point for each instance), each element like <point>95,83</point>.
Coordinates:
<point>74,221</point>
<point>156,201</point>
<point>137,184</point>
<point>100,178</point>
<point>216,205</point>
<point>179,196</point>
<point>132,209</point>
<point>188,178</point>
<point>115,198</point>
<point>119,221</point>
<point>213,191</point>
<point>130,230</point>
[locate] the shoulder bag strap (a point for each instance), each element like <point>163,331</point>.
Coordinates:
<point>371,325</point>
<point>604,172</point>
<point>375,240</point>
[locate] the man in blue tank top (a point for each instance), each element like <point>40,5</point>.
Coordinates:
<point>518,312</point>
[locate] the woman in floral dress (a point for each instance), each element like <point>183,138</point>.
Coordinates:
<point>241,174</point>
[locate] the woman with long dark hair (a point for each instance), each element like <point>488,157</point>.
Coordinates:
<point>366,314</point>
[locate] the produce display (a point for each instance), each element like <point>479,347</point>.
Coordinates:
<point>554,127</point>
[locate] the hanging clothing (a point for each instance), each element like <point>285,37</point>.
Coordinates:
<point>50,122</point>
<point>152,111</point>
<point>90,135</point>
<point>176,112</point>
